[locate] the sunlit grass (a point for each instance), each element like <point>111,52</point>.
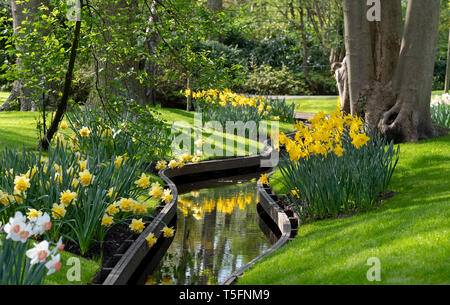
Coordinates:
<point>88,268</point>
<point>314,105</point>
<point>18,129</point>
<point>3,96</point>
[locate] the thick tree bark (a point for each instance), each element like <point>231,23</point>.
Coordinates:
<point>215,5</point>
<point>390,71</point>
<point>358,51</point>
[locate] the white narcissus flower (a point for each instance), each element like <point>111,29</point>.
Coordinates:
<point>42,224</point>
<point>54,264</point>
<point>17,230</point>
<point>39,253</point>
<point>60,245</point>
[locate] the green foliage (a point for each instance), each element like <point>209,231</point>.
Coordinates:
<point>266,80</point>
<point>5,33</point>
<point>131,130</point>
<point>284,111</point>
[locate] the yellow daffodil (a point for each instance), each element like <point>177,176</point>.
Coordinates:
<point>58,211</point>
<point>21,183</point>
<point>126,204</point>
<point>166,196</point>
<point>143,182</point>
<point>67,197</point>
<point>151,239</point>
<point>4,199</point>
<point>63,126</point>
<point>33,213</point>
<point>156,190</point>
<point>173,163</point>
<point>85,132</point>
<point>168,232</point>
<point>83,164</point>
<point>107,220</point>
<point>112,209</point>
<point>166,280</point>
<point>118,161</point>
<point>150,281</point>
<point>137,225</point>
<point>263,179</point>
<point>160,165</point>
<point>86,177</point>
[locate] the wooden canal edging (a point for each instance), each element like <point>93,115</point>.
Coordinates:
<point>128,262</point>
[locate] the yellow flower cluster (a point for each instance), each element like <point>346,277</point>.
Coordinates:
<point>226,97</point>
<point>182,160</point>
<point>125,205</point>
<point>324,136</point>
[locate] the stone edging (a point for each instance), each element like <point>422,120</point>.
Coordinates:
<point>287,225</point>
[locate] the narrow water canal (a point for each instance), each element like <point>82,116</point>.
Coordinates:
<point>218,230</point>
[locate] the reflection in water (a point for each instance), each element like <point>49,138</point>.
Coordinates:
<point>217,232</point>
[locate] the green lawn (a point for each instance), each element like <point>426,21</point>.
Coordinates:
<point>88,268</point>
<point>3,96</point>
<point>313,105</point>
<point>409,233</point>
<point>19,128</point>
<point>325,104</point>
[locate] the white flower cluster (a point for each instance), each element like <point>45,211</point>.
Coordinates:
<point>443,99</point>
<point>19,230</point>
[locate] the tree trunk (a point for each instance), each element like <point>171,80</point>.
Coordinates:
<point>62,106</point>
<point>447,74</point>
<point>304,43</point>
<point>390,74</point>
<point>19,92</point>
<point>215,5</point>
<point>128,86</point>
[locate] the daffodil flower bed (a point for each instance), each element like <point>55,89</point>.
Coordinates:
<point>224,106</point>
<point>335,166</point>
<point>82,184</point>
<point>440,110</point>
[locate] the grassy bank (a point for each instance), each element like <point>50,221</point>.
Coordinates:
<point>409,233</point>
<point>19,128</point>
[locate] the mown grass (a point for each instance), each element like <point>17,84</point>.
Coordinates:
<point>3,96</point>
<point>325,104</point>
<point>409,233</point>
<point>19,129</point>
<point>67,275</point>
<point>314,105</point>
